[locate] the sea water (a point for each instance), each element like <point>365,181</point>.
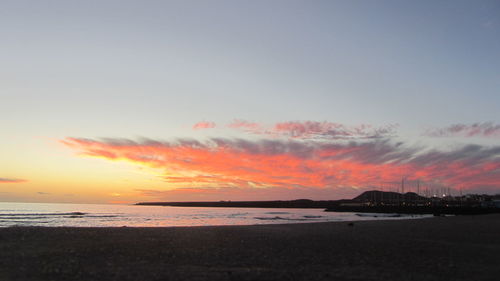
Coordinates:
<point>95,215</point>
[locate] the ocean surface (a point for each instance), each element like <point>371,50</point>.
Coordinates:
<point>95,215</point>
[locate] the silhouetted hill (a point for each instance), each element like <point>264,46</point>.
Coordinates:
<point>387,196</point>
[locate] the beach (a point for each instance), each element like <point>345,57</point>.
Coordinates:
<point>439,248</point>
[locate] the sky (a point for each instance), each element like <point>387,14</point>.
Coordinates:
<point>126,101</point>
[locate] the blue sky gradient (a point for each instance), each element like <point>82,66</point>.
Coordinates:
<point>129,69</point>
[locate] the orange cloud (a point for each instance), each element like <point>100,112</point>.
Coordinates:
<point>204,125</point>
<point>10,180</point>
<point>223,163</point>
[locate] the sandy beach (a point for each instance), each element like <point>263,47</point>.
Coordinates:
<point>441,248</point>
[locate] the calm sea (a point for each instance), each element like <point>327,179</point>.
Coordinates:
<point>94,215</point>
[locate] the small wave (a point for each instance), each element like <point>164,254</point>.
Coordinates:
<point>42,214</point>
<point>268,218</point>
<point>26,218</point>
<point>313,217</point>
<point>278,218</point>
<point>378,215</point>
<point>22,222</point>
<point>277,213</point>
<point>102,216</point>
<point>237,215</point>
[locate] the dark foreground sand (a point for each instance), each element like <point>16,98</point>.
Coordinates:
<point>450,248</point>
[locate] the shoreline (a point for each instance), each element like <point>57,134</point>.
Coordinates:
<point>437,248</point>
<point>404,217</point>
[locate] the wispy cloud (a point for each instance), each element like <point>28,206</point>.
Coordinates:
<point>204,125</point>
<point>11,180</point>
<point>247,126</point>
<point>315,130</point>
<point>237,163</point>
<point>486,129</point>
<point>330,130</point>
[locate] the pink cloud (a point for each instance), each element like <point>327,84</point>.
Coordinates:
<point>316,130</point>
<point>204,125</point>
<point>246,126</point>
<point>330,130</point>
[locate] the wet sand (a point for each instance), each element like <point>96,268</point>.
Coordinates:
<point>442,248</point>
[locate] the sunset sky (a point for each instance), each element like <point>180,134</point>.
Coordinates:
<point>126,101</point>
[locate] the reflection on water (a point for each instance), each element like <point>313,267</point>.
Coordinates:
<point>94,215</point>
